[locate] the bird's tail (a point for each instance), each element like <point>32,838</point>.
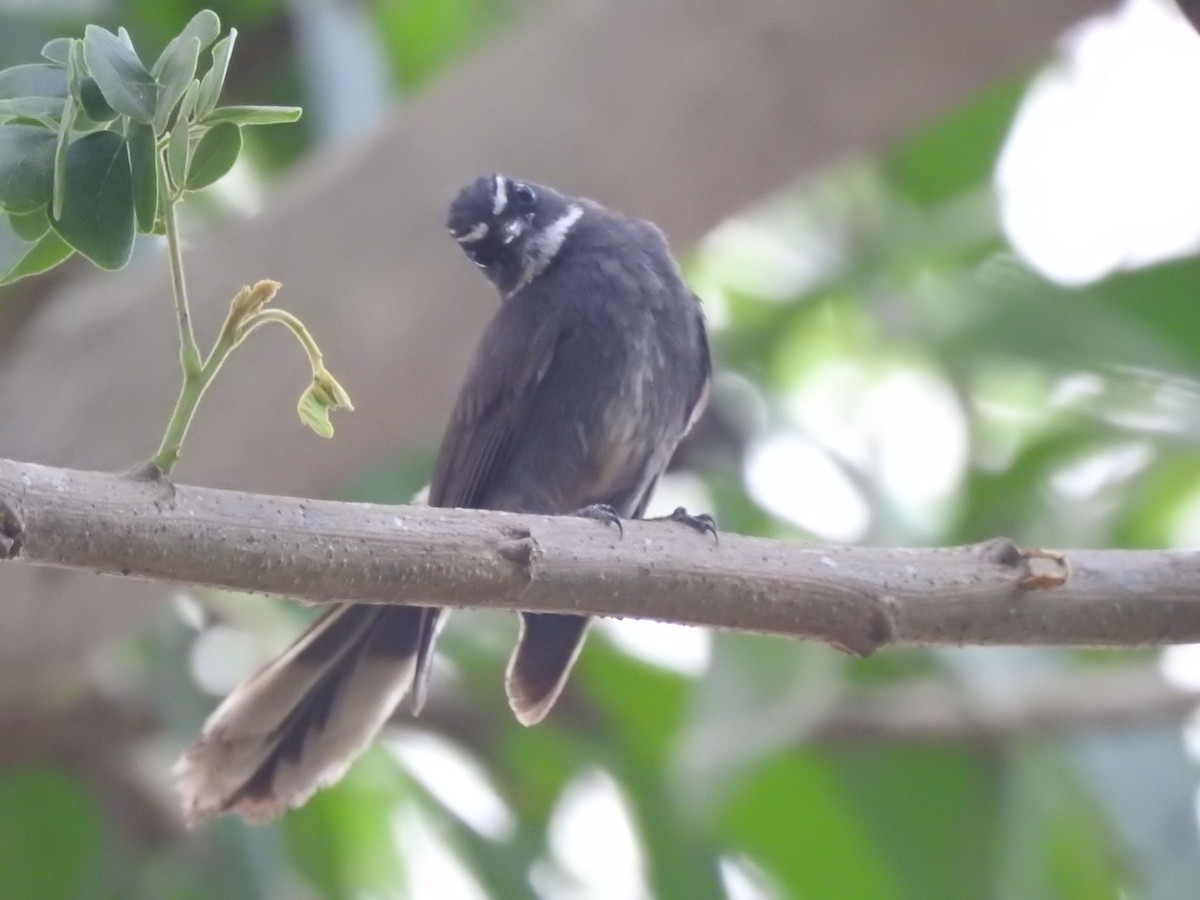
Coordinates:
<point>544,656</point>
<point>297,724</point>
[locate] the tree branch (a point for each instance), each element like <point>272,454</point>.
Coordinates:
<point>932,709</point>
<point>858,598</point>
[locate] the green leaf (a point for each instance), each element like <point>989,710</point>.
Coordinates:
<point>254,115</point>
<point>178,151</point>
<point>126,84</point>
<point>93,102</point>
<point>30,258</point>
<point>52,833</point>
<point>57,50</point>
<point>26,167</point>
<point>214,79</point>
<point>214,155</point>
<point>30,226</point>
<point>205,27</point>
<point>179,67</point>
<point>43,109</point>
<point>319,399</point>
<point>97,216</point>
<point>142,159</point>
<point>33,80</point>
<point>188,104</point>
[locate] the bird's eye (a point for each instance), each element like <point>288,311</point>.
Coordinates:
<point>524,194</point>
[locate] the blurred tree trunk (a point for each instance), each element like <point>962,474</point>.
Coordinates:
<point>679,110</point>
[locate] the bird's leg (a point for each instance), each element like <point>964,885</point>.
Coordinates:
<point>601,512</point>
<point>703,523</point>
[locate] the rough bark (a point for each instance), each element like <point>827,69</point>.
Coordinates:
<point>857,598</point>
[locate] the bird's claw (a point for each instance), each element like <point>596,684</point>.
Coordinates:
<point>703,523</point>
<point>601,512</point>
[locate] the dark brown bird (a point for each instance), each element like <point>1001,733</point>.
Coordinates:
<point>593,369</point>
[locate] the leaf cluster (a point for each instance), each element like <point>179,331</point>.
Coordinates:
<point>95,145</point>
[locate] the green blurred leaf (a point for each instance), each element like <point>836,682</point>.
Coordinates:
<point>26,167</point>
<point>253,115</point>
<point>957,152</point>
<point>97,217</point>
<point>342,838</point>
<point>790,817</point>
<point>1055,842</point>
<point>213,81</point>
<point>930,812</point>
<point>33,80</point>
<point>214,156</point>
<point>614,681</point>
<point>423,36</point>
<point>126,84</point>
<point>759,696</point>
<point>51,832</point>
<point>178,68</point>
<point>93,102</point>
<point>143,154</point>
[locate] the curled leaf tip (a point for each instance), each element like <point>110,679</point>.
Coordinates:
<point>251,298</point>
<point>318,400</point>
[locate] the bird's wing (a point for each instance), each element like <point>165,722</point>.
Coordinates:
<point>700,390</point>
<point>492,408</point>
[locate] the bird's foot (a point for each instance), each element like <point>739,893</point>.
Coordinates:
<point>601,512</point>
<point>703,523</point>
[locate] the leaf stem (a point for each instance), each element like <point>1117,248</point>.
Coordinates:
<point>196,374</point>
<point>295,326</point>
<point>189,351</point>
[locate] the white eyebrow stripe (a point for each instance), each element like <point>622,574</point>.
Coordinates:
<point>478,233</point>
<point>500,195</point>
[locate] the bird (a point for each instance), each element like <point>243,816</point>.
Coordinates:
<point>594,367</point>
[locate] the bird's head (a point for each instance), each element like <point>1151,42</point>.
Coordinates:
<point>511,229</point>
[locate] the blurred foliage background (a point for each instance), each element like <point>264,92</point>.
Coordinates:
<point>963,334</point>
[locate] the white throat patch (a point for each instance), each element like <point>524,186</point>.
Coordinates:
<point>543,248</point>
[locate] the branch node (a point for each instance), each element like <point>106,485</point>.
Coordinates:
<point>521,552</point>
<point>12,531</point>
<point>1041,580</point>
<point>150,472</point>
<point>1003,552</point>
<point>879,629</point>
